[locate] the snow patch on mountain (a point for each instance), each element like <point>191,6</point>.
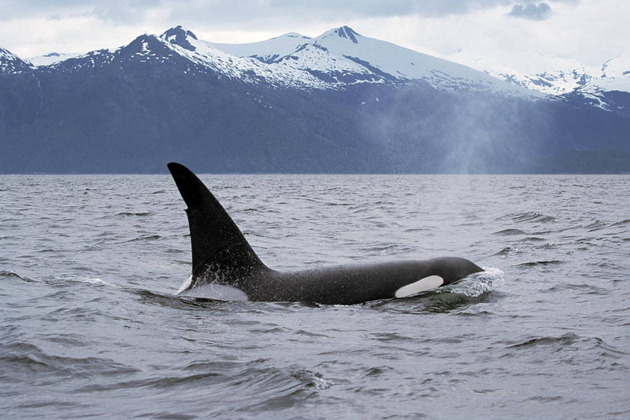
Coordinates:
<point>91,60</point>
<point>332,69</point>
<point>50,59</point>
<point>615,76</point>
<point>266,51</point>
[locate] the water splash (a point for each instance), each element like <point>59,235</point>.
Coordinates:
<point>185,285</point>
<point>90,280</point>
<point>477,284</point>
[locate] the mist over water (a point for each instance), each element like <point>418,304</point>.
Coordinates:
<point>463,133</point>
<point>90,327</point>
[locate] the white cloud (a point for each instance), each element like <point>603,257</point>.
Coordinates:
<point>74,34</point>
<point>590,32</point>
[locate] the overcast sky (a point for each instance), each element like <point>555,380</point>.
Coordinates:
<point>590,31</point>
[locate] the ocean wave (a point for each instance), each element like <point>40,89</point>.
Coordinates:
<point>128,213</point>
<point>509,232</point>
<point>146,238</point>
<point>537,263</point>
<point>529,216</point>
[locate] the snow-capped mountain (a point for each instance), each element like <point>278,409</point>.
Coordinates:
<point>554,82</point>
<point>179,48</point>
<point>341,56</point>
<point>205,56</point>
<point>11,63</point>
<point>548,75</point>
<point>336,59</point>
<point>339,102</point>
<point>614,77</point>
<point>561,77</point>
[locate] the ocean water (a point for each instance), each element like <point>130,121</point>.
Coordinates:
<point>90,326</point>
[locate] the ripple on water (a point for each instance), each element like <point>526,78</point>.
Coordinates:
<point>10,275</point>
<point>20,359</point>
<point>584,353</point>
<point>510,232</point>
<point>621,223</point>
<point>137,214</point>
<point>540,263</point>
<point>528,217</point>
<point>145,238</point>
<point>563,340</point>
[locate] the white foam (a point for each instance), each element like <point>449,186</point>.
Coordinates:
<point>477,284</point>
<point>91,280</point>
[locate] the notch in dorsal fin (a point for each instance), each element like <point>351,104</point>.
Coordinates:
<point>217,243</point>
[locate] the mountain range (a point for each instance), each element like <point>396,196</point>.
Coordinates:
<point>340,102</point>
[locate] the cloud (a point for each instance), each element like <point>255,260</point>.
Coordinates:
<point>540,11</point>
<point>216,11</point>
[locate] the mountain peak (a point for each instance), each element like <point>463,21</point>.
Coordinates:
<point>179,36</point>
<point>11,63</point>
<point>343,32</point>
<point>346,32</point>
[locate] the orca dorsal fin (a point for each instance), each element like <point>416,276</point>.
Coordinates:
<point>218,245</point>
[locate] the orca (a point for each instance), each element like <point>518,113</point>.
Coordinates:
<point>225,267</point>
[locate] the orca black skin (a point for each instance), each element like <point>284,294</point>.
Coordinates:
<point>224,265</point>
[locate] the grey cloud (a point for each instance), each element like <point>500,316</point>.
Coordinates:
<point>257,14</point>
<point>265,14</point>
<point>115,11</point>
<point>540,11</point>
<point>327,9</point>
<point>220,12</point>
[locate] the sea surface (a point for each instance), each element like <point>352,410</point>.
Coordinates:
<point>90,326</point>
